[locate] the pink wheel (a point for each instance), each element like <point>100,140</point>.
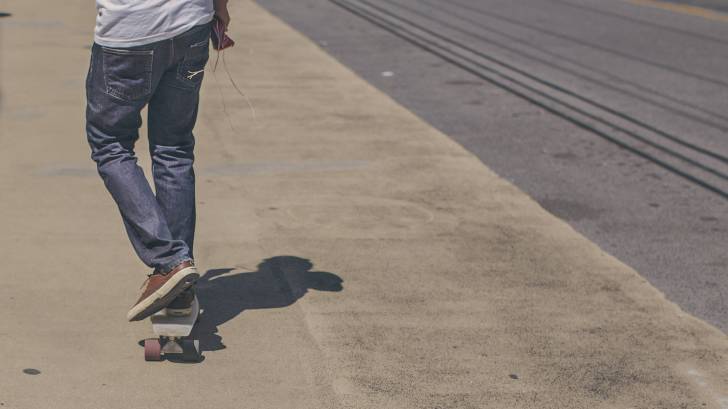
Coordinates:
<point>152,350</point>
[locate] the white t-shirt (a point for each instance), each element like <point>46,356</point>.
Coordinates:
<point>129,23</point>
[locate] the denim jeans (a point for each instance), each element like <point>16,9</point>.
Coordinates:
<point>167,76</point>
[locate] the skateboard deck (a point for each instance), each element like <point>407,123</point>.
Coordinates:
<point>173,334</point>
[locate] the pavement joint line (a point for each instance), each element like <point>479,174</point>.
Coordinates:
<point>559,88</point>
<point>512,79</point>
<point>550,31</point>
<point>683,9</point>
<point>488,301</point>
<point>533,54</point>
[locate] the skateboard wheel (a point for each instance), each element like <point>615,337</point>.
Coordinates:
<point>152,350</point>
<point>190,350</point>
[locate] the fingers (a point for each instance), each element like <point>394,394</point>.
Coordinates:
<point>224,19</point>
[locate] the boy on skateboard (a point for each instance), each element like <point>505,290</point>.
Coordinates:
<point>151,52</point>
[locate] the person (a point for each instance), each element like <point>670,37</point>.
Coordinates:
<point>151,52</point>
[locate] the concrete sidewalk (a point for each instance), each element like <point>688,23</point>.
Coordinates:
<point>354,256</point>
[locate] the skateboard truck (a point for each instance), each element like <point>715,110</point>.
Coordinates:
<point>173,326</point>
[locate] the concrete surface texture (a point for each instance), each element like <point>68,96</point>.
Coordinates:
<point>607,74</point>
<point>354,257</point>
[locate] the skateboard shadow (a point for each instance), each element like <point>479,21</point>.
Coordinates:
<point>279,282</point>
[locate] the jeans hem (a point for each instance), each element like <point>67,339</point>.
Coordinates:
<point>166,268</point>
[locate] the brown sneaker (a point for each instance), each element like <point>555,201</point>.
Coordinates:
<point>160,289</point>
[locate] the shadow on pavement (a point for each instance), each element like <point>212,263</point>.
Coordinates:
<point>279,282</point>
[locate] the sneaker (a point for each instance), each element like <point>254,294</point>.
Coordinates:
<point>182,305</point>
<point>161,288</point>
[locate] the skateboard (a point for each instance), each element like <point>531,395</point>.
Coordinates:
<point>173,326</point>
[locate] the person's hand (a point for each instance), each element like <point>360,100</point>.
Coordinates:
<point>221,12</point>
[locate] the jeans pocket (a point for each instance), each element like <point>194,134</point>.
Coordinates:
<point>191,69</point>
<point>128,73</point>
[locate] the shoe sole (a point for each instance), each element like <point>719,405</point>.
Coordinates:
<point>179,312</point>
<point>159,299</point>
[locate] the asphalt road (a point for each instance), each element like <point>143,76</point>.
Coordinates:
<point>611,114</point>
<point>717,5</point>
<point>352,256</point>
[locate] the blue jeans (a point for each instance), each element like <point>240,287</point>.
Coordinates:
<point>167,76</point>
